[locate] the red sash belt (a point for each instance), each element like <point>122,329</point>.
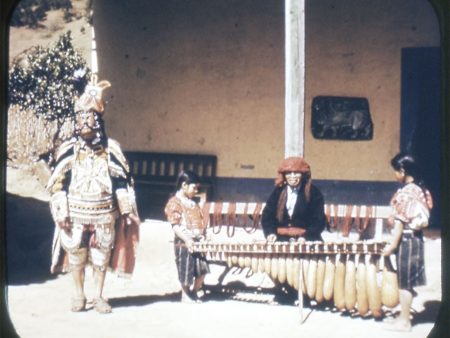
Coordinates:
<point>291,231</point>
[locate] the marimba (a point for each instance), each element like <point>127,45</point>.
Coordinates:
<point>342,272</point>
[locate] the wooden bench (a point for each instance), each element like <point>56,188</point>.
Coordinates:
<point>155,175</point>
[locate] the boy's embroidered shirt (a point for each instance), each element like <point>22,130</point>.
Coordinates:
<point>184,212</point>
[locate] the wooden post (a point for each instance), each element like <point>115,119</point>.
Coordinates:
<point>294,77</point>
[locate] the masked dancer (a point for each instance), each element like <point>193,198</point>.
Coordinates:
<point>92,203</point>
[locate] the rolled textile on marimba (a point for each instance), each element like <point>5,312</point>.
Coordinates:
<point>339,283</point>
<point>296,272</point>
<point>247,257</point>
<point>362,303</point>
<point>267,263</point>
<point>311,282</point>
<point>235,258</point>
<point>389,286</point>
<point>373,291</point>
<point>320,277</point>
<point>242,256</point>
<point>254,263</point>
<point>274,267</point>
<point>305,267</point>
<point>282,274</point>
<point>290,270</point>
<point>260,262</point>
<point>328,282</point>
<point>350,283</point>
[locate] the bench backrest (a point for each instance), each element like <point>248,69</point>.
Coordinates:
<point>153,167</point>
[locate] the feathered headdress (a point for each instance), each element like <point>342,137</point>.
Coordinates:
<point>92,96</point>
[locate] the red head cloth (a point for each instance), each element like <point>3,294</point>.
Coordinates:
<point>295,164</point>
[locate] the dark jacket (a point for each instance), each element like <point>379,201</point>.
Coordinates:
<point>308,215</point>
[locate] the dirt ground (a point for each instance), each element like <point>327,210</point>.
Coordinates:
<point>147,305</point>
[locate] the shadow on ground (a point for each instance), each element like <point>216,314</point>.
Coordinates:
<point>29,234</point>
<point>144,300</point>
<point>429,314</point>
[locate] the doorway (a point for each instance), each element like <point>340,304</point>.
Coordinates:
<point>420,115</point>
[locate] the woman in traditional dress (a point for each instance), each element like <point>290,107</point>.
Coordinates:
<point>411,206</point>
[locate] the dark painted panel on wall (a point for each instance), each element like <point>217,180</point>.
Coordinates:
<point>341,118</point>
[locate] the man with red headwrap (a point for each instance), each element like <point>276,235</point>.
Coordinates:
<point>295,209</point>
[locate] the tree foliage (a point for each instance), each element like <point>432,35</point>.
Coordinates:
<point>49,79</point>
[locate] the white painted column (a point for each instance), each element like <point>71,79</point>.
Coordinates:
<point>294,77</point>
<point>94,60</point>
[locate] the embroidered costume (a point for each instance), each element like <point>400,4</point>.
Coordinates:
<point>411,205</point>
<point>187,214</point>
<point>90,188</point>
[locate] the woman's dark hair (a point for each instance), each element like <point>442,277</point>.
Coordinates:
<point>408,163</point>
<point>188,177</point>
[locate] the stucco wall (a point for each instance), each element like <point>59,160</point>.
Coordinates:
<point>208,77</point>
<point>353,48</point>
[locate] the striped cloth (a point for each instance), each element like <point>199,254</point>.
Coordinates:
<point>411,261</point>
<point>189,265</point>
